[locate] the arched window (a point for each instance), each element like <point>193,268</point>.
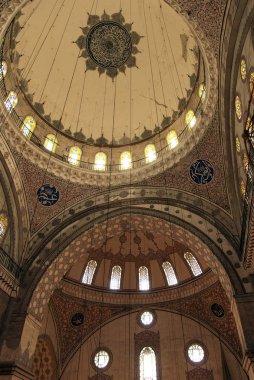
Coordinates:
<point>3,70</point>
<point>3,225</point>
<point>169,273</point>
<point>150,153</point>
<point>238,144</point>
<point>202,92</point>
<point>75,154</point>
<point>147,364</point>
<point>11,101</point>
<point>100,161</point>
<point>89,272</point>
<point>51,143</point>
<point>28,126</point>
<point>115,281</point>
<point>243,69</point>
<point>190,119</point>
<point>238,108</point>
<point>172,139</point>
<point>143,278</point>
<point>193,264</point>
<point>125,160</point>
<point>245,162</point>
<point>243,189</point>
<point>252,83</point>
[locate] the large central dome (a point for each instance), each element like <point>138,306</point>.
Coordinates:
<point>116,73</point>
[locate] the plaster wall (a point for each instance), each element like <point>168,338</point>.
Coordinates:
<point>175,332</point>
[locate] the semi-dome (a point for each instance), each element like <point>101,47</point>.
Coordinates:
<point>134,258</point>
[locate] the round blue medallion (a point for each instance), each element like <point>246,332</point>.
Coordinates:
<point>201,172</point>
<point>48,195</point>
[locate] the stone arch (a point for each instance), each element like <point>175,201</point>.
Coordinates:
<point>96,237</point>
<point>45,362</point>
<point>15,198</point>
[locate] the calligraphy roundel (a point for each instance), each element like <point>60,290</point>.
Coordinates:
<point>77,319</point>
<point>201,172</point>
<point>48,195</point>
<point>109,44</point>
<point>217,310</point>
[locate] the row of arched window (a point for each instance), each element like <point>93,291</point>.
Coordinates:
<point>143,273</point>
<point>100,162</point>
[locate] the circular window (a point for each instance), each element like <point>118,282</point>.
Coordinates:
<point>101,359</point>
<point>147,318</point>
<point>196,353</point>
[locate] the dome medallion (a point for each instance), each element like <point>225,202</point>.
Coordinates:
<point>109,44</point>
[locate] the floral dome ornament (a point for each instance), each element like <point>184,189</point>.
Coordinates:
<point>108,44</point>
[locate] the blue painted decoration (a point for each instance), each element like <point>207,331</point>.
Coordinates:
<point>48,195</point>
<point>201,172</point>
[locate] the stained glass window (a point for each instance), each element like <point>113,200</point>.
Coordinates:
<point>3,70</point>
<point>11,101</point>
<point>238,145</point>
<point>3,224</point>
<point>51,143</point>
<point>115,281</point>
<point>89,272</point>
<point>144,279</point>
<point>252,82</point>
<point>238,108</point>
<point>74,156</point>
<point>101,359</point>
<point>193,264</point>
<point>28,126</point>
<point>190,119</point>
<point>202,92</point>
<point>150,153</point>
<point>172,139</point>
<point>196,353</point>
<point>147,364</point>
<point>147,318</point>
<point>169,273</point>
<point>243,69</point>
<point>125,160</point>
<point>100,161</point>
